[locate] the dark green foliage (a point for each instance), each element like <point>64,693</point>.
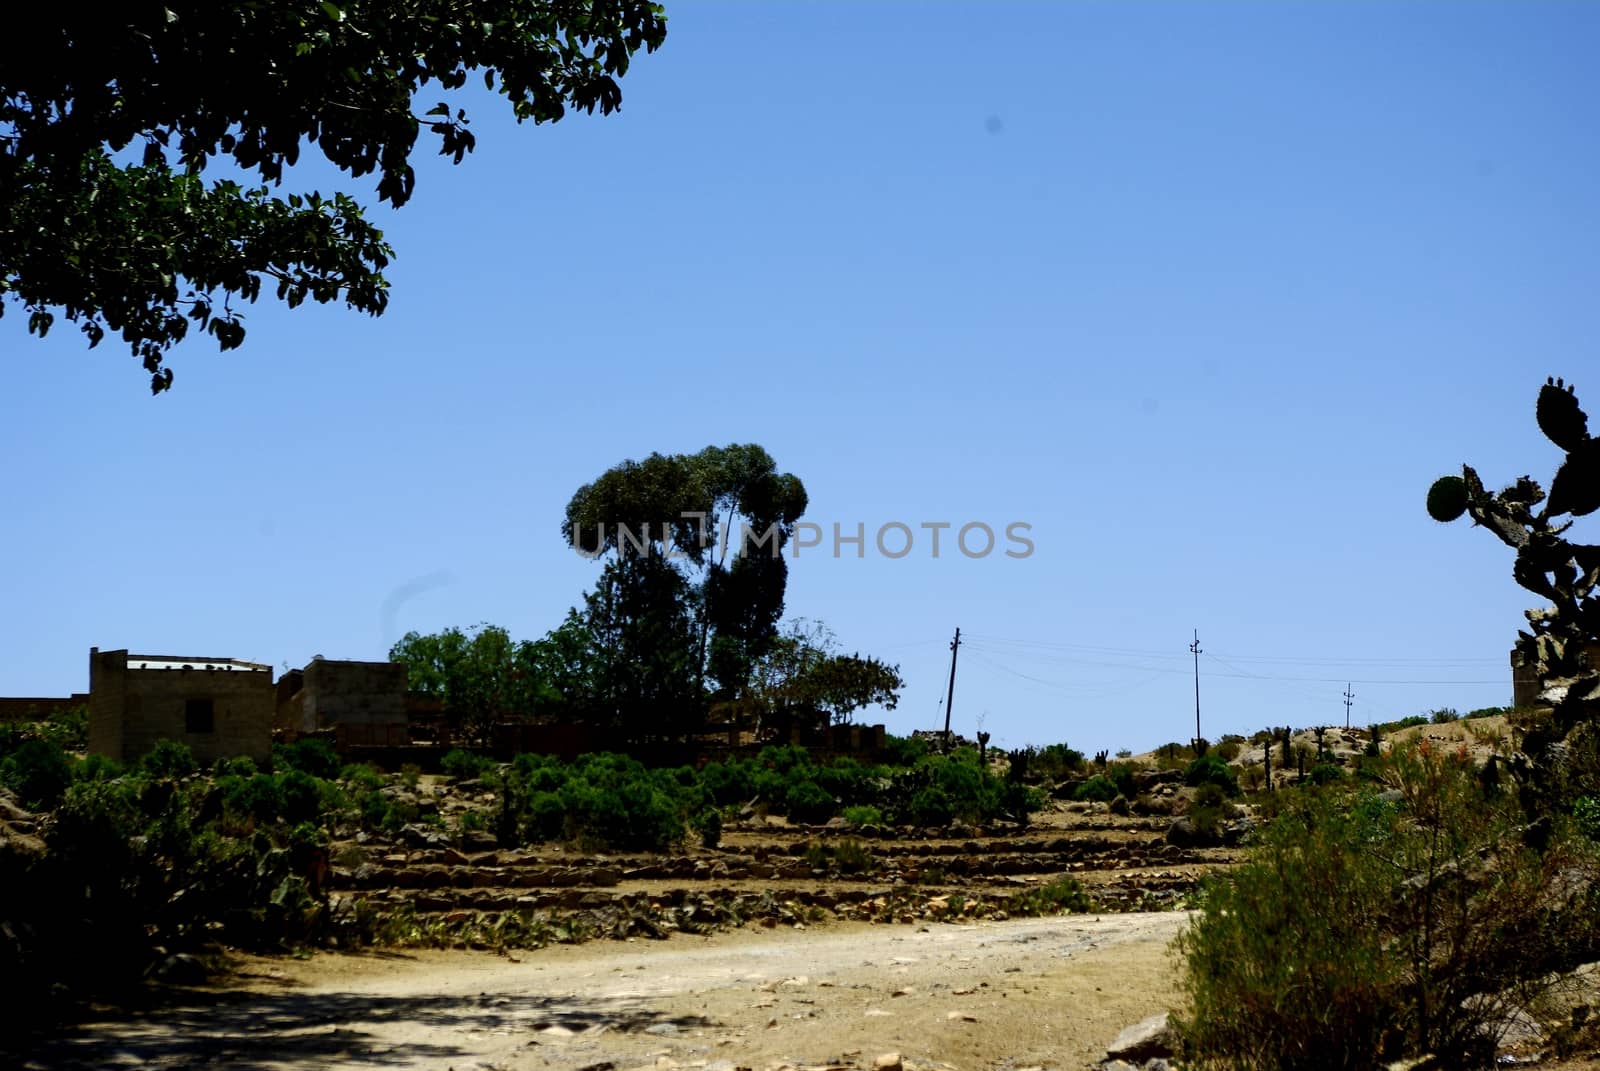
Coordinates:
<point>1053,761</point>
<point>464,765</point>
<point>105,215</point>
<point>708,824</point>
<point>1018,801</point>
<point>930,807</point>
<point>1398,913</point>
<point>1444,716</point>
<point>1324,772</point>
<point>1122,777</point>
<point>1097,789</point>
<point>308,755</point>
<point>1210,770</point>
<point>1586,813</point>
<point>1447,499</point>
<point>903,750</point>
<point>728,783</point>
<point>168,759</point>
<point>38,771</point>
<point>863,816</point>
<point>809,802</point>
<point>602,801</point>
<point>96,767</point>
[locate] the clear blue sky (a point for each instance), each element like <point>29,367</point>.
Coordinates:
<point>1205,294</point>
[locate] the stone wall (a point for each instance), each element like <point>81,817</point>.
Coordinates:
<point>30,708</point>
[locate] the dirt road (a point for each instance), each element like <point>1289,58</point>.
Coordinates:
<point>1022,993</point>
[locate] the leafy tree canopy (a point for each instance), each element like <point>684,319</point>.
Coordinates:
<point>673,522</point>
<point>110,115</point>
<point>804,680</point>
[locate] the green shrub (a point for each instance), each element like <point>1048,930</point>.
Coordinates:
<point>68,729</point>
<point>1098,789</point>
<point>809,802</point>
<point>728,783</point>
<point>1019,800</point>
<point>97,767</point>
<point>308,755</point>
<point>38,771</point>
<point>930,807</point>
<point>903,750</point>
<point>1324,772</point>
<point>1054,760</point>
<point>846,780</point>
<point>546,817</point>
<point>301,795</point>
<point>1357,928</point>
<point>863,815</point>
<point>169,759</point>
<point>1210,770</point>
<point>1586,813</point>
<point>708,824</point>
<point>1061,896</point>
<point>629,813</point>
<point>465,765</point>
<point>362,775</point>
<point>258,798</point>
<point>1122,777</point>
<point>852,857</point>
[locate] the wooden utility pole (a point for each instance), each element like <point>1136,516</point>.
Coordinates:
<point>950,696</point>
<point>1194,648</point>
<point>1348,696</point>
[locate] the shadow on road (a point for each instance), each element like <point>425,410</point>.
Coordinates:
<point>269,1031</point>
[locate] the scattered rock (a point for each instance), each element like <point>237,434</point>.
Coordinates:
<point>889,1061</point>
<point>1145,1040</point>
<point>666,1030</point>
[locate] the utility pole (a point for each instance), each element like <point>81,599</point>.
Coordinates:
<point>1194,648</point>
<point>950,696</point>
<point>1348,696</point>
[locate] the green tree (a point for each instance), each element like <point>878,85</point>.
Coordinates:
<point>480,674</point>
<point>109,117</point>
<point>702,534</point>
<point>802,680</point>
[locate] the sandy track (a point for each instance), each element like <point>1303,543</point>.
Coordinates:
<point>1034,992</point>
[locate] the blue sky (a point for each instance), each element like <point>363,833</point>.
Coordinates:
<point>1206,294</point>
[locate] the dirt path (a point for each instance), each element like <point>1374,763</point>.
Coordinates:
<point>1022,993</point>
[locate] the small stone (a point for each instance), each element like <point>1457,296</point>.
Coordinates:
<point>1142,1041</point>
<point>662,1029</point>
<point>889,1061</point>
<point>955,1016</point>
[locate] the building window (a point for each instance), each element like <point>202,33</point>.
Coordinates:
<point>199,716</point>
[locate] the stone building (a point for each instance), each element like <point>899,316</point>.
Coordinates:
<point>362,702</point>
<point>219,707</point>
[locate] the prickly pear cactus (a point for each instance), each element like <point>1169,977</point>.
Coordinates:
<point>1547,563</point>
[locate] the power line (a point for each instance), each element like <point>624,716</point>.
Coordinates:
<point>1286,659</point>
<point>1238,673</point>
